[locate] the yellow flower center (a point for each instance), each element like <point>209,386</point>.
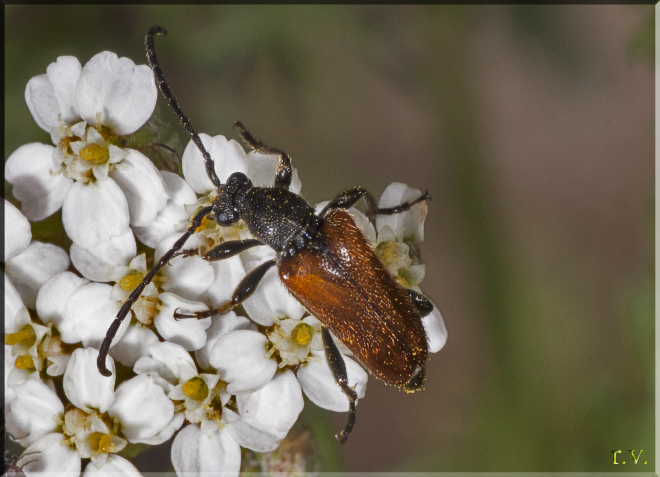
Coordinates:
<point>196,389</point>
<point>302,334</point>
<point>100,443</point>
<point>26,336</point>
<point>387,251</point>
<point>130,281</point>
<point>25,362</point>
<point>65,143</point>
<point>214,409</point>
<point>95,154</point>
<point>203,224</point>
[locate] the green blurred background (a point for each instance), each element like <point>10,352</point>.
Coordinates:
<point>533,130</point>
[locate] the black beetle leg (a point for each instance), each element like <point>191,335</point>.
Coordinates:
<point>373,210</point>
<point>229,249</point>
<point>346,199</point>
<point>188,252</point>
<point>284,172</point>
<point>242,292</point>
<point>422,303</point>
<point>350,196</point>
<point>338,368</point>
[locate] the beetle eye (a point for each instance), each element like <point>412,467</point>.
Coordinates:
<point>225,217</point>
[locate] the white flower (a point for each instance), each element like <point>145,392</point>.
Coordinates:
<point>173,218</point>
<point>84,310</point>
<point>220,326</point>
<point>204,444</point>
<point>271,299</point>
<point>268,414</point>
<point>33,265</point>
<point>18,233</point>
<point>95,263</point>
<point>205,449</point>
<point>228,157</point>
<point>241,358</point>
<point>247,360</point>
<point>101,186</point>
<point>410,222</point>
<point>99,422</point>
<point>29,346</point>
<point>436,331</point>
<point>262,168</point>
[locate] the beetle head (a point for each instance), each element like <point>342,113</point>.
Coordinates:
<point>227,204</point>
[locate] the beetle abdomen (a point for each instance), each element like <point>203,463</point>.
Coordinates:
<point>349,290</point>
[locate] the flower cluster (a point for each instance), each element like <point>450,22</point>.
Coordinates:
<point>216,384</point>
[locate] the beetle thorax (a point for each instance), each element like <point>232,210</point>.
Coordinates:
<point>277,217</point>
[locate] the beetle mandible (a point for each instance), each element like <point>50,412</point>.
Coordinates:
<point>323,259</point>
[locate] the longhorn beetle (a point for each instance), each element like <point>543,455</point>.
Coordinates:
<point>323,259</point>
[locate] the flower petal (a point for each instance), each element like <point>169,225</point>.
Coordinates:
<point>262,168</point>
<point>228,157</point>
<point>34,411</point>
<point>411,222</point>
<point>270,299</point>
<point>187,277</point>
<point>167,432</point>
<point>42,103</point>
<point>41,192</point>
<point>94,263</point>
<point>33,267</point>
<point>220,326</point>
<point>142,185</point>
<point>253,439</point>
<point>242,362</point>
<point>320,386</point>
<point>63,75</point>
<point>115,466</point>
<point>15,310</point>
<point>10,395</point>
<point>50,455</point>
<point>228,274</point>
<point>142,408</point>
<point>95,212</point>
<point>18,232</point>
<point>173,218</point>
<point>272,410</point>
<point>196,453</point>
<point>189,333</point>
<point>133,345</point>
<point>89,312</point>
<point>125,94</point>
<point>84,386</point>
<point>52,298</point>
<point>168,360</point>
<point>436,331</point>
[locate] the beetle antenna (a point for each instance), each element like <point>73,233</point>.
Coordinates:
<point>123,311</point>
<point>165,89</point>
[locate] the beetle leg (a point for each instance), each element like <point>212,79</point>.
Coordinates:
<point>338,368</point>
<point>224,250</point>
<point>123,311</point>
<point>350,196</point>
<point>346,199</point>
<point>242,292</point>
<point>188,252</point>
<point>229,249</point>
<point>373,210</point>
<point>422,303</point>
<point>284,172</point>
